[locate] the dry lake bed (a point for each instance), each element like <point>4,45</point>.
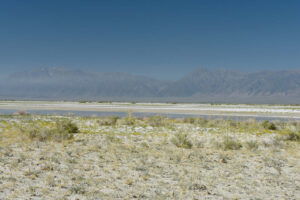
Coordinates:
<point>243,110</point>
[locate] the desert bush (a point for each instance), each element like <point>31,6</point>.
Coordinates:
<point>37,132</point>
<point>295,136</point>
<point>249,124</point>
<point>272,126</point>
<point>67,125</point>
<point>113,139</point>
<point>128,120</point>
<point>265,123</point>
<point>190,120</point>
<point>252,145</point>
<point>63,130</point>
<point>269,125</point>
<point>78,189</point>
<point>202,121</point>
<point>157,121</point>
<point>231,144</point>
<point>291,135</point>
<point>212,123</point>
<point>295,126</point>
<point>108,121</point>
<point>181,140</point>
<point>21,112</point>
<point>232,123</point>
<point>200,144</point>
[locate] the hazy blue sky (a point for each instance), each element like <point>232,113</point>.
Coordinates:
<point>163,39</point>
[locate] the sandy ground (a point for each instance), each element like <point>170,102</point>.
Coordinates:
<point>141,161</point>
<point>162,108</point>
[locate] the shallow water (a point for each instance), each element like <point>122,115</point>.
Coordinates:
<point>141,114</point>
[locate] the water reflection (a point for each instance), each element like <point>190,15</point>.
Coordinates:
<point>141,114</point>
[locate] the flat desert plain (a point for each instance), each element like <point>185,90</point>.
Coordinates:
<point>149,157</point>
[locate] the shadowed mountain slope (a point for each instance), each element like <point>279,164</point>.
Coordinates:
<point>201,85</point>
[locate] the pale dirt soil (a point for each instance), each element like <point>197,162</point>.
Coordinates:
<point>141,162</point>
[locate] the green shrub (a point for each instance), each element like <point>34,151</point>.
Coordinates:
<point>231,144</point>
<point>181,140</point>
<point>272,126</point>
<point>293,136</point>
<point>269,125</point>
<point>63,130</point>
<point>190,120</point>
<point>67,125</point>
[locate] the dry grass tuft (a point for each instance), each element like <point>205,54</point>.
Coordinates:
<point>181,140</point>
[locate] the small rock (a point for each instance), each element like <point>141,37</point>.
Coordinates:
<point>197,186</point>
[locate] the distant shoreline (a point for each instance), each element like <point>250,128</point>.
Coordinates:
<point>243,110</point>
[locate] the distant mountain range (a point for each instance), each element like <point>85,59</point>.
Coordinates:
<point>203,85</point>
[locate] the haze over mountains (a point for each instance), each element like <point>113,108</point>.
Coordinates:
<point>203,85</point>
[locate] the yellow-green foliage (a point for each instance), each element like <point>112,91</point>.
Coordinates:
<point>269,125</point>
<point>63,130</point>
<point>58,129</point>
